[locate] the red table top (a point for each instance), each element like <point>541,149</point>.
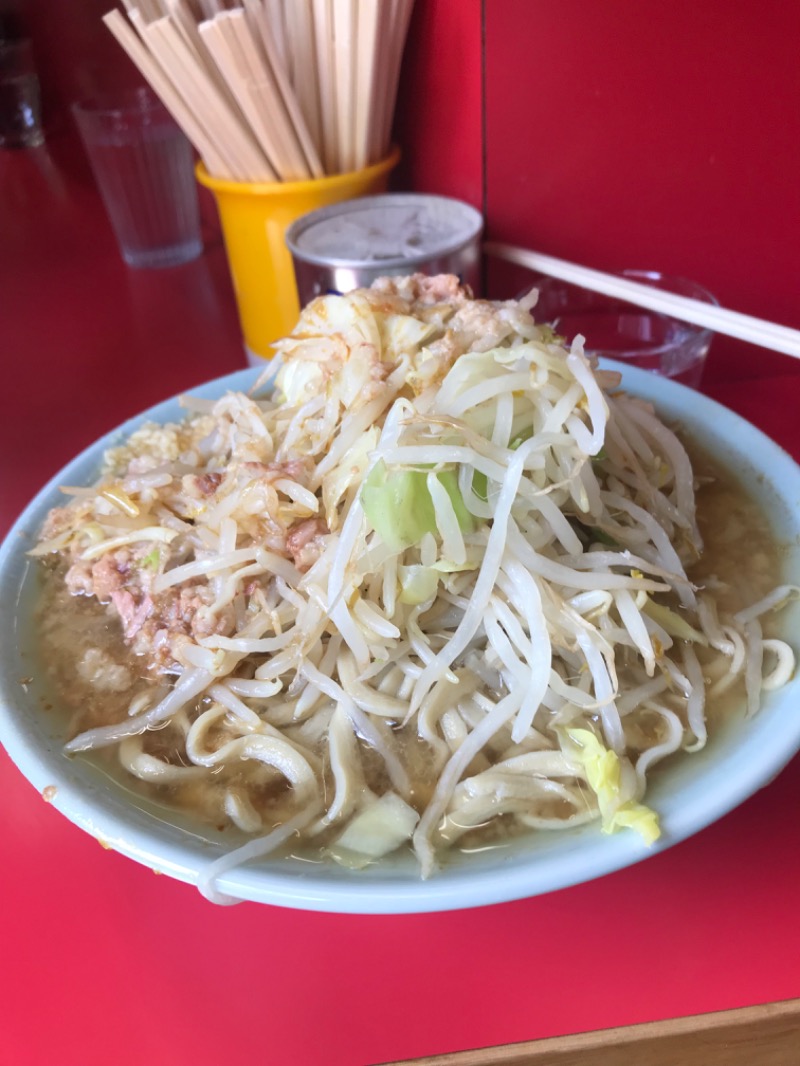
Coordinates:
<point>105,962</point>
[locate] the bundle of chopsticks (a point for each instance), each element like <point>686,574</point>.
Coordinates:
<point>273,90</point>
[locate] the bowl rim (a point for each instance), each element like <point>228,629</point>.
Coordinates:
<point>581,855</point>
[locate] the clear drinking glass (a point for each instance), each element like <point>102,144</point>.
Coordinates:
<point>20,97</point>
<point>634,335</point>
<point>143,166</point>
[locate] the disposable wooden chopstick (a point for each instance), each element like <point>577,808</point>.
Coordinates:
<point>210,8</point>
<point>383,65</point>
<point>179,12</point>
<point>323,44</point>
<point>295,165</point>
<point>257,16</point>
<point>271,99</point>
<point>304,73</point>
<point>214,159</point>
<point>157,38</point>
<point>270,115</point>
<point>275,13</point>
<point>227,126</point>
<point>345,22</point>
<point>262,99</point>
<point>260,110</point>
<point>757,331</point>
<point>162,56</point>
<point>398,31</point>
<point>187,25</point>
<point>195,10</point>
<point>223,52</point>
<point>190,76</point>
<point>149,10</point>
<point>367,51</point>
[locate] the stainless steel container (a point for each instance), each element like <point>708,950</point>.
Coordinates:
<point>348,245</point>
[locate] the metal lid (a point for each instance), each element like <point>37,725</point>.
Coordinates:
<point>395,230</point>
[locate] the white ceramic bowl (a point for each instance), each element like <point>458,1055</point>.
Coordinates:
<point>689,794</point>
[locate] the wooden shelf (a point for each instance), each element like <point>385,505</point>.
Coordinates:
<point>767,1035</point>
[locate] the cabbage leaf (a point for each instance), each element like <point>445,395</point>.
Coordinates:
<point>399,507</point>
<point>602,770</point>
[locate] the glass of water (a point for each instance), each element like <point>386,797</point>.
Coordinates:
<point>143,166</point>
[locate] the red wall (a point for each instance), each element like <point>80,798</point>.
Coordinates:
<point>75,54</point>
<point>440,99</point>
<point>661,135</point>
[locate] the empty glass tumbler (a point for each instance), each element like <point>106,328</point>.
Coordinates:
<point>636,336</point>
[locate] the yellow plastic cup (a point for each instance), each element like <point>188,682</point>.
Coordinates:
<point>254,217</point>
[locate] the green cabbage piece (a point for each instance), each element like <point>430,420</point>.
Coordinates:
<point>480,486</point>
<point>672,623</point>
<point>399,507</point>
<point>417,584</point>
<point>603,776</point>
<point>420,583</point>
<point>151,560</point>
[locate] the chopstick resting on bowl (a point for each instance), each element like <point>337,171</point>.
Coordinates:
<point>758,331</point>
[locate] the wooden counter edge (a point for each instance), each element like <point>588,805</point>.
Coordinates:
<point>766,1035</point>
